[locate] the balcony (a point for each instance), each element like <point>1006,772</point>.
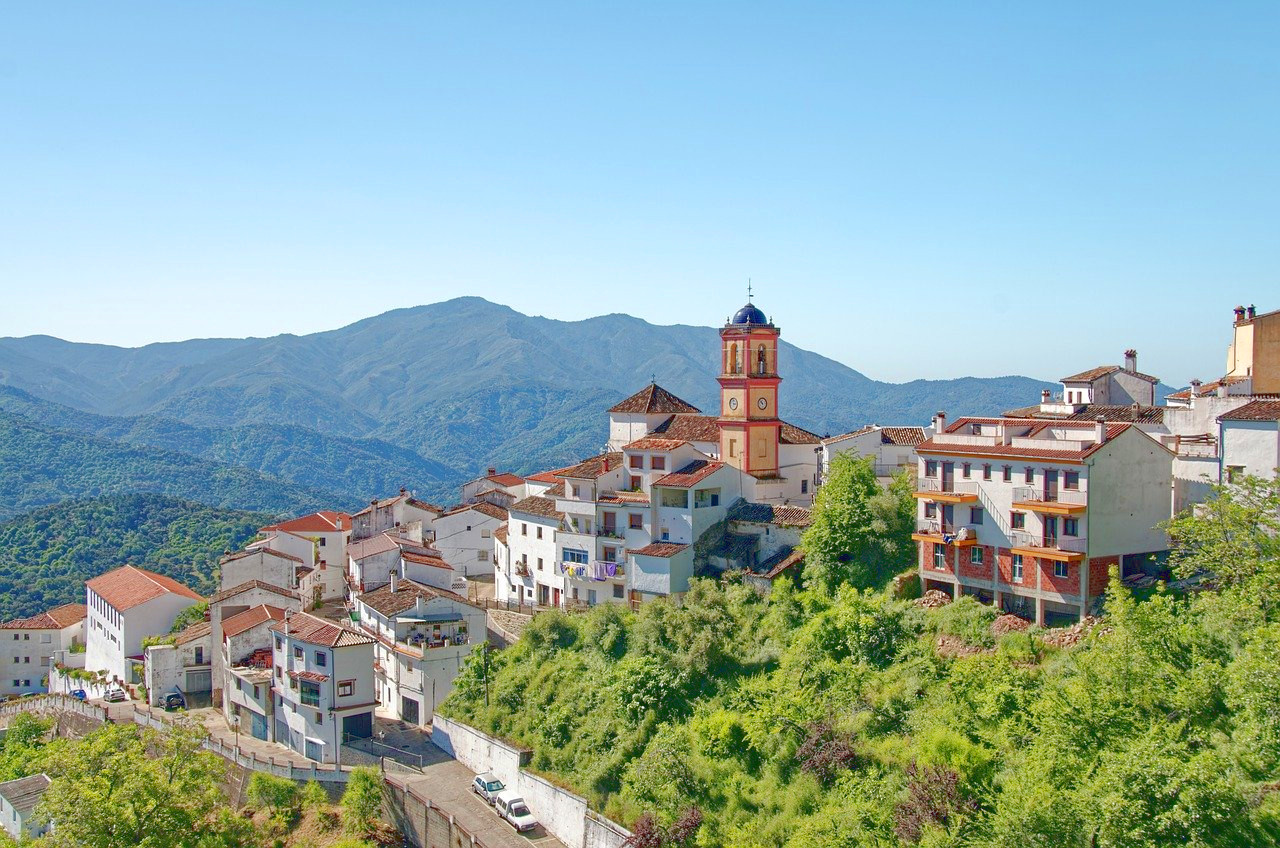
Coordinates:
<point>933,489</point>
<point>941,533</point>
<point>1061,502</point>
<point>597,570</point>
<point>1059,548</point>
<point>423,636</point>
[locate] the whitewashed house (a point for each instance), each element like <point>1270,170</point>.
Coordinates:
<point>526,552</point>
<point>403,514</point>
<point>372,561</point>
<point>125,606</point>
<point>18,801</point>
<point>1250,437</point>
<point>511,486</point>
<point>323,683</point>
<point>424,635</point>
<point>29,645</point>
<point>319,540</point>
<point>260,563</point>
<point>182,664</point>
<point>230,603</point>
<point>892,449</point>
<point>464,537</point>
<point>246,654</point>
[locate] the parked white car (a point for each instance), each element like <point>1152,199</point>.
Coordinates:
<point>513,809</point>
<point>115,694</point>
<point>487,786</point>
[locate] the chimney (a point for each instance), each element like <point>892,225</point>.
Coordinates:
<point>492,471</point>
<point>940,421</point>
<point>1131,360</point>
<point>1195,388</point>
<point>403,491</point>
<point>1100,430</point>
<point>1253,312</point>
<point>1045,395</point>
<point>1222,388</point>
<point>1239,310</point>
<point>395,582</point>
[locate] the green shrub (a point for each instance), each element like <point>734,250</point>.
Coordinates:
<point>362,801</point>
<point>965,619</point>
<point>277,794</point>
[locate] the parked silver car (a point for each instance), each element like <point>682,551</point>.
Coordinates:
<point>514,810</point>
<point>487,786</point>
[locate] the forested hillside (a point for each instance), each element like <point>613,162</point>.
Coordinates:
<point>46,555</point>
<point>41,465</point>
<point>816,719</point>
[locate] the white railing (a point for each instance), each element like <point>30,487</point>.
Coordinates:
<point>1070,544</point>
<point>965,440</point>
<point>934,527</point>
<point>1030,494</point>
<point>934,485</point>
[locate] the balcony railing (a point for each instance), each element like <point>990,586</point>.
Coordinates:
<point>1030,494</point>
<point>933,485</point>
<point>1065,544</point>
<point>934,527</point>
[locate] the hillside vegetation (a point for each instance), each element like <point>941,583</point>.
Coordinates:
<point>41,465</point>
<point>46,555</point>
<point>818,718</point>
<point>466,383</point>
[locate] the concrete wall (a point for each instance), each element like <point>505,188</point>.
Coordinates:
<point>563,814</point>
<point>1251,445</point>
<point>1131,492</point>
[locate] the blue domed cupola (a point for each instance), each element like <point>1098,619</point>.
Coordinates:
<point>749,314</point>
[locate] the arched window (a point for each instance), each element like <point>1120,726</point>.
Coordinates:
<point>733,359</point>
<point>762,366</point>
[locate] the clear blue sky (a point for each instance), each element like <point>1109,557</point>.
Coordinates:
<point>918,190</point>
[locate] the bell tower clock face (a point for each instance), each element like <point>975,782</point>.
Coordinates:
<point>733,403</point>
<point>763,403</point>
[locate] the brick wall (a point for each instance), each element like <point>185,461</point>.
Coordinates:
<point>977,572</point>
<point>1069,585</point>
<point>1100,573</point>
<point>930,569</point>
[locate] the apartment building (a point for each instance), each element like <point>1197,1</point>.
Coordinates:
<point>28,645</point>
<point>464,536</point>
<point>525,552</point>
<point>1030,515</point>
<point>124,606</point>
<point>323,685</point>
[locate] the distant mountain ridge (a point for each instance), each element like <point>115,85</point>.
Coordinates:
<point>465,383</point>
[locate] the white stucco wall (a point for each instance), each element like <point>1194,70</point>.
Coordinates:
<point>1253,446</point>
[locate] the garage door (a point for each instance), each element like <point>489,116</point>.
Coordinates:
<point>359,726</point>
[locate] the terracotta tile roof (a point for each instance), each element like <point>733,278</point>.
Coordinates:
<point>250,618</point>
<point>423,505</point>
<point>318,631</point>
<point>545,476</point>
<point>325,521</point>
<point>538,505</point>
<point>634,498</point>
<point>653,443</point>
<point>1090,412</point>
<point>386,602</point>
<point>54,619</point>
<point>382,543</point>
<point>904,436</point>
<point>252,584</point>
<point>590,469</point>
<point>662,550</point>
<point>691,474</point>
<point>384,503</point>
<point>259,550</point>
<point>1102,371</point>
<point>790,434</point>
<point>427,560</point>
<point>501,534</point>
<point>484,507</point>
<point>1208,388</point>
<point>310,676</point>
<point>505,478</point>
<point>24,794</point>
<point>689,428</point>
<point>556,491</point>
<point>1257,410</point>
<point>129,586</point>
<point>653,399</point>
<point>199,630</point>
<point>861,431</point>
<point>775,565</point>
<point>783,515</point>
<point>1010,451</point>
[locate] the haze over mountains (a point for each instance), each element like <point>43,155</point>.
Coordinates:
<point>422,397</point>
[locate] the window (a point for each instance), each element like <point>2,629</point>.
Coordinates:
<point>1060,569</point>
<point>468,528</point>
<point>1029,474</point>
<point>1016,568</point>
<point>804,487</point>
<point>279,673</point>
<point>637,461</point>
<point>310,694</point>
<point>678,498</point>
<point>733,447</point>
<point>319,717</point>
<point>575,556</point>
<point>975,555</point>
<point>975,515</point>
<point>297,653</point>
<point>239,685</point>
<point>658,463</point>
<point>481,555</point>
<point>26,683</point>
<point>539,531</point>
<point>1007,474</point>
<point>635,521</point>
<point>930,509</point>
<point>930,468</point>
<point>577,492</point>
<point>279,644</point>
<point>1071,479</point>
<point>322,541</point>
<point>46,638</point>
<point>986,471</point>
<point>965,468</point>
<point>1234,475</point>
<point>17,682</point>
<point>1018,520</point>
<point>26,637</point>
<point>610,553</point>
<point>634,482</point>
<point>539,563</point>
<point>617,590</point>
<point>199,655</point>
<point>321,659</point>
<point>346,688</point>
<point>1071,527</point>
<point>940,557</point>
<point>524,528</point>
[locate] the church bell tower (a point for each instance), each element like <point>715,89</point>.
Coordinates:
<point>749,425</point>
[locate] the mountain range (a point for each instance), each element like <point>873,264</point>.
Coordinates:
<point>423,397</point>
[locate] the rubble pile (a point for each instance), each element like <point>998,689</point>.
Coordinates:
<point>1065,637</point>
<point>1009,623</point>
<point>933,599</point>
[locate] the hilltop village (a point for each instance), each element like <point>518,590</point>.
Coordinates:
<point>329,623</point>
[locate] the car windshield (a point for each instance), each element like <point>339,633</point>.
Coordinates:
<point>519,810</point>
<point>493,785</point>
